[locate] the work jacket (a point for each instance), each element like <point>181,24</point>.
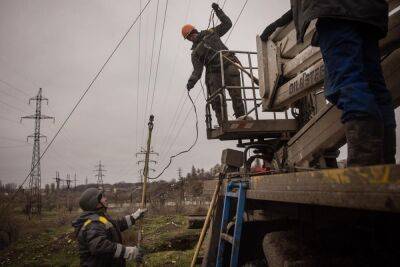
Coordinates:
<point>206,46</point>
<point>99,238</point>
<point>370,12</point>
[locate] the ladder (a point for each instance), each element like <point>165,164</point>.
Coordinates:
<point>234,189</point>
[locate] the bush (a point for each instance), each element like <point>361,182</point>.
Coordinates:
<point>9,228</point>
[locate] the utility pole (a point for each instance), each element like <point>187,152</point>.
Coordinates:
<point>147,153</point>
<point>75,181</point>
<point>86,181</point>
<point>34,199</point>
<point>58,180</point>
<point>68,180</point>
<point>181,185</point>
<point>100,174</point>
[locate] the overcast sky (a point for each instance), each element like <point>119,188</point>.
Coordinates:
<point>60,45</point>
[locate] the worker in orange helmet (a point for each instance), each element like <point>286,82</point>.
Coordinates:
<point>205,45</point>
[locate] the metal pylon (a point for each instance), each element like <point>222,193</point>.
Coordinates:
<point>34,200</point>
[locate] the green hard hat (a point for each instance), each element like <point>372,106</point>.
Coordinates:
<point>90,198</point>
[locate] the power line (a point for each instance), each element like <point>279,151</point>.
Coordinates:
<point>241,11</point>
<point>14,87</point>
<point>191,146</point>
<point>159,55</point>
<point>151,68</point>
<point>138,77</point>
<point>81,98</point>
<point>12,107</point>
<point>177,54</point>
<point>180,129</point>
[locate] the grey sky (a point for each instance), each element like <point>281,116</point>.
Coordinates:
<point>60,45</point>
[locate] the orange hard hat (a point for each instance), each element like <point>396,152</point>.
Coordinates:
<point>187,30</point>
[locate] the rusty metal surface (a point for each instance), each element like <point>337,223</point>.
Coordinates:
<point>370,188</point>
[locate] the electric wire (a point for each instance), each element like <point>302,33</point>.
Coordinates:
<point>138,76</point>
<point>177,55</point>
<point>150,71</point>
<point>13,107</point>
<point>159,55</point>
<point>79,101</point>
<point>188,149</point>
<point>14,87</point>
<point>237,19</point>
<point>174,139</point>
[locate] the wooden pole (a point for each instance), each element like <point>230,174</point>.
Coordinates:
<point>206,222</point>
<point>145,178</point>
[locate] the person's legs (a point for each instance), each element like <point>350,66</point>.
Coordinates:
<point>342,48</point>
<point>214,83</point>
<point>376,81</point>
<point>232,78</point>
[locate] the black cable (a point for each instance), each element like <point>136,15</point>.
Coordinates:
<point>78,102</point>
<point>187,150</point>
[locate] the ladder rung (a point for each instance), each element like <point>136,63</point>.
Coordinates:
<point>227,238</point>
<point>231,194</point>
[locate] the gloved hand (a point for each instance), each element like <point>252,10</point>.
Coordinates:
<point>215,6</point>
<point>189,86</point>
<point>139,213</point>
<point>133,253</point>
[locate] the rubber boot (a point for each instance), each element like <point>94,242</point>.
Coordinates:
<point>389,145</point>
<point>364,142</point>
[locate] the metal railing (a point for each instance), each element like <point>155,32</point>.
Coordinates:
<point>248,87</point>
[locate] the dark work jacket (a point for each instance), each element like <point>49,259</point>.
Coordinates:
<point>371,12</point>
<point>99,239</point>
<point>204,48</point>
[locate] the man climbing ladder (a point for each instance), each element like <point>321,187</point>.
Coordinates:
<point>205,45</point>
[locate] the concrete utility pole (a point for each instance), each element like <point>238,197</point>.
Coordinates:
<point>145,176</point>
<point>34,199</point>
<point>100,174</point>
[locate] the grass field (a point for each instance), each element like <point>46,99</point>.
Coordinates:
<point>50,241</point>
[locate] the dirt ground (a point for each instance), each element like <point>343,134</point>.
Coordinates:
<point>50,241</point>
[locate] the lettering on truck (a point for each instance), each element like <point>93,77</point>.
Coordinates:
<point>307,79</point>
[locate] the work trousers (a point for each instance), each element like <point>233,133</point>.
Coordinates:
<point>353,79</point>
<point>214,83</point>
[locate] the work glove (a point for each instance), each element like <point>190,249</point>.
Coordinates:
<point>189,86</point>
<point>139,213</point>
<point>133,253</point>
<point>215,6</point>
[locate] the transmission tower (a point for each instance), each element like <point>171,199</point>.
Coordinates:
<point>34,200</point>
<point>100,174</point>
<point>68,180</point>
<point>58,180</point>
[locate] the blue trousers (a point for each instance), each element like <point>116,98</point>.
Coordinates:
<point>353,76</point>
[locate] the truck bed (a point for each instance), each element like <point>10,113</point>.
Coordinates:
<point>367,188</point>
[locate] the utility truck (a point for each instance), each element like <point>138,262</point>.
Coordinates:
<point>301,209</point>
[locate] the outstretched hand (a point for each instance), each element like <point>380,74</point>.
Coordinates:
<point>139,213</point>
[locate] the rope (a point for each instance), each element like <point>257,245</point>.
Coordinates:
<point>138,78</point>
<point>78,102</point>
<point>184,151</point>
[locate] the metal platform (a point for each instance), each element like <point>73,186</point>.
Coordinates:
<point>365,188</point>
<point>234,130</point>
<point>265,125</point>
